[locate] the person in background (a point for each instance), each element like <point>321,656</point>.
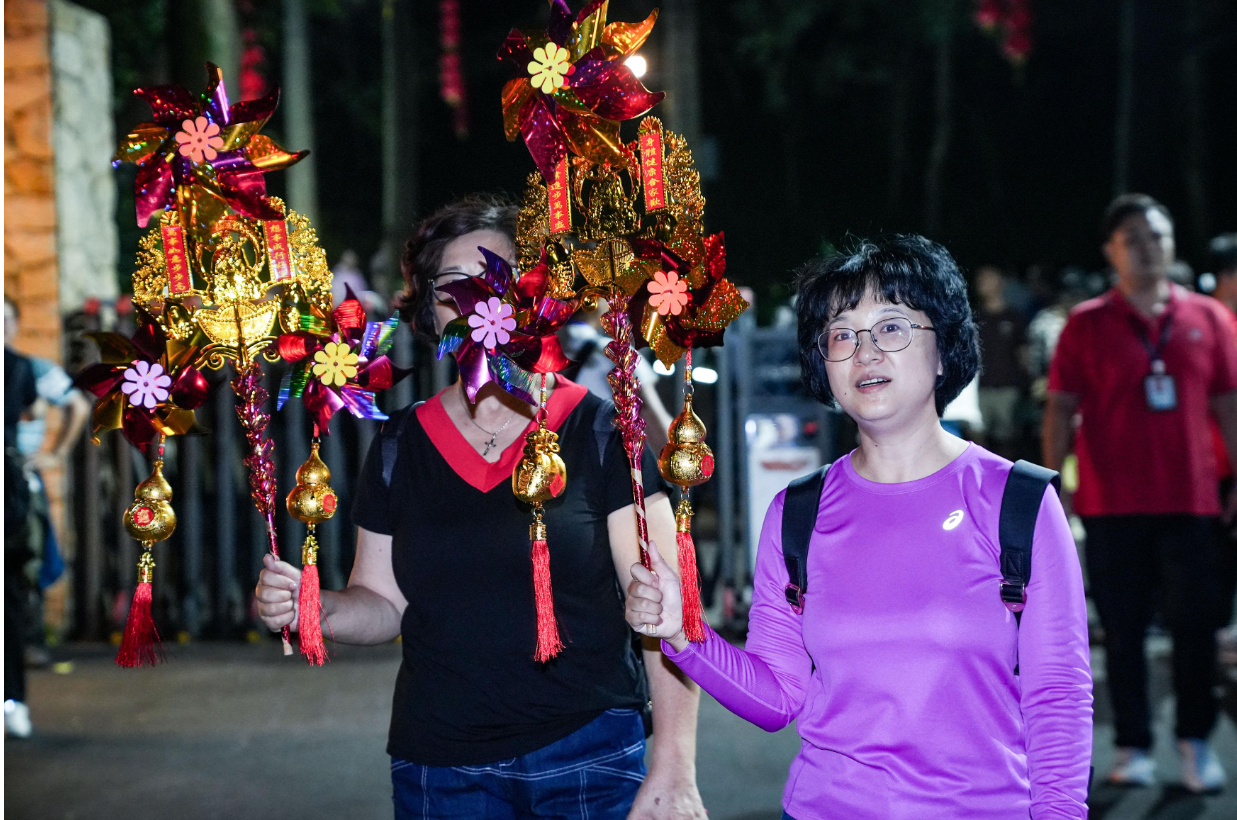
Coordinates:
<point>1002,377</point>
<point>1144,366</point>
<point>20,394</point>
<point>44,457</point>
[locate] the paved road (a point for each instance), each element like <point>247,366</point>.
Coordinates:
<point>232,731</point>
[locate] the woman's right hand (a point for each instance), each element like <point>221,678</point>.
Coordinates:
<point>655,601</point>
<point>278,585</point>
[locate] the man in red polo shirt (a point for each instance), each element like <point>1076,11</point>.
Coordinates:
<point>1143,366</point>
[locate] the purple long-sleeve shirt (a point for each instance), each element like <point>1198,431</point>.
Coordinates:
<point>900,671</point>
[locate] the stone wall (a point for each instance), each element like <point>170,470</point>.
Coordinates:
<point>31,275</point>
<point>84,140</point>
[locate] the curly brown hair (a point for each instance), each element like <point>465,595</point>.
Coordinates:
<point>422,256</point>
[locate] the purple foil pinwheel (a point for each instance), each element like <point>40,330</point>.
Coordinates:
<point>507,328</point>
<point>574,87</point>
<point>204,154</point>
<point>339,361</point>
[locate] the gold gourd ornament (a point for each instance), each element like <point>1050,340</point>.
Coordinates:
<point>311,502</point>
<point>686,461</point>
<point>540,476</point>
<point>149,519</point>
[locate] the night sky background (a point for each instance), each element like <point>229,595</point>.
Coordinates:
<point>798,102</point>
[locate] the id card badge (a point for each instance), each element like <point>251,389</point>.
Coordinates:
<point>1161,389</point>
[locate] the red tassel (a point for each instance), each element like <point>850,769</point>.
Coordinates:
<point>548,642</point>
<point>141,642</point>
<point>689,580</point>
<point>310,606</point>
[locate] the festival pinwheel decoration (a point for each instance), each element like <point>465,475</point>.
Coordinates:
<point>339,361</point>
<point>573,87</point>
<point>147,385</point>
<point>506,329</point>
<point>627,219</point>
<point>202,155</point>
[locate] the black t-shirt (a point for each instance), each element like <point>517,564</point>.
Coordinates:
<point>468,690</point>
<point>20,391</point>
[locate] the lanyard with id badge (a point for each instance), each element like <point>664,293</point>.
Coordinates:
<point>1159,386</point>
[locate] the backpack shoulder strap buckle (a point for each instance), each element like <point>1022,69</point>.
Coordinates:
<point>794,597</point>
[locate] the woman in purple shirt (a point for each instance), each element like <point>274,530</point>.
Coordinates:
<point>916,691</point>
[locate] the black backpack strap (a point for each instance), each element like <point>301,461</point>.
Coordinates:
<point>603,427</point>
<point>390,433</point>
<point>798,521</point>
<point>1024,491</point>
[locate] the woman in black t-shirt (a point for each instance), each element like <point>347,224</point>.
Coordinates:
<point>478,728</point>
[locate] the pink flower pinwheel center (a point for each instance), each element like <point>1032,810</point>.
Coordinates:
<point>200,140</point>
<point>145,384</point>
<point>335,364</point>
<point>670,294</point>
<point>491,321</point>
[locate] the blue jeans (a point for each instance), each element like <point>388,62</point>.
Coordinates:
<point>592,774</point>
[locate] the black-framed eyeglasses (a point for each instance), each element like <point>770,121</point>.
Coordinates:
<point>837,344</point>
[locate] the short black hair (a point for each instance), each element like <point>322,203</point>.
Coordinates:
<point>903,269</point>
<point>1127,205</point>
<point>1223,251</point>
<point>422,256</point>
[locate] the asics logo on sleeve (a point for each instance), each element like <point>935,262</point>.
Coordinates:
<point>954,519</point>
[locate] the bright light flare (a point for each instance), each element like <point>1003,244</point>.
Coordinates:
<point>637,64</point>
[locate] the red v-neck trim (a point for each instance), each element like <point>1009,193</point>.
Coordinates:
<point>466,461</point>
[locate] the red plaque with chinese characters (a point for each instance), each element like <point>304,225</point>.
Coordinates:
<point>176,259</point>
<point>278,252</point>
<point>560,200</point>
<point>651,169</point>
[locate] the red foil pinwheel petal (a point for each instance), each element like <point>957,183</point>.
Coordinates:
<point>349,315</point>
<point>296,346</point>
<point>153,188</point>
<point>322,402</point>
<point>518,50</point>
<point>170,104</point>
<point>149,339</point>
<point>550,359</point>
<point>258,110</point>
<point>544,136</point>
<point>610,89</point>
<point>189,389</point>
<point>100,379</point>
<point>532,284</point>
<point>137,426</point>
<point>378,375</point>
<point>239,192</point>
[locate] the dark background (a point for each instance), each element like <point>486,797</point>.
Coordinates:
<point>819,119</point>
